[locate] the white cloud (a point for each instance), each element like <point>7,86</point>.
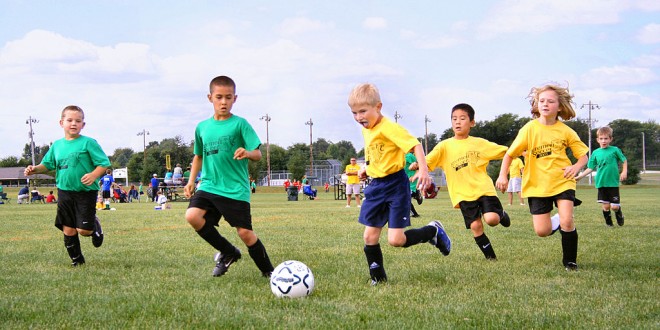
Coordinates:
<point>649,34</point>
<point>374,23</point>
<point>299,25</point>
<point>618,76</point>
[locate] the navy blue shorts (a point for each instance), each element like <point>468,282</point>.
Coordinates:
<point>76,209</point>
<point>387,201</point>
<point>235,212</point>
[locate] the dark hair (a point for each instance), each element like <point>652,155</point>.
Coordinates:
<point>465,107</point>
<point>222,81</point>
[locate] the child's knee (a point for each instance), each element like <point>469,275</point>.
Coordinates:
<point>396,241</point>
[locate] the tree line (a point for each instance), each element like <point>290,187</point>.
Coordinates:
<point>295,159</point>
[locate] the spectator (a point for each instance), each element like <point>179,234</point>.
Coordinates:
<point>51,198</point>
<point>154,187</point>
<point>133,194</point>
<point>37,196</point>
<point>23,195</point>
<point>177,176</point>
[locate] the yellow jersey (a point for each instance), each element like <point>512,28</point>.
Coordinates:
<point>385,147</point>
<point>515,168</point>
<point>464,162</point>
<point>352,179</point>
<point>546,158</point>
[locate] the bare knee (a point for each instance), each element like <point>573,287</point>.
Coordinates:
<point>195,219</point>
<point>247,236</point>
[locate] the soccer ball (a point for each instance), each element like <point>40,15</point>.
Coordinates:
<point>292,279</point>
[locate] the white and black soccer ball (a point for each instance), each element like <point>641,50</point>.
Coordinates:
<point>292,279</point>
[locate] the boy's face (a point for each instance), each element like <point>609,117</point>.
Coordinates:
<point>461,123</point>
<point>367,115</point>
<point>223,99</point>
<point>604,140</point>
<point>72,122</point>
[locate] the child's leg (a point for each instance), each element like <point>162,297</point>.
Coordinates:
<point>257,250</point>
<point>510,198</point>
<point>542,224</point>
<point>374,254</point>
<point>413,211</point>
<point>72,245</point>
<point>206,230</point>
<point>481,239</point>
<point>569,235</point>
<point>522,200</point>
<point>400,238</point>
<point>607,214</point>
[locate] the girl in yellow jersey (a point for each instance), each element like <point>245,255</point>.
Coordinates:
<point>549,176</point>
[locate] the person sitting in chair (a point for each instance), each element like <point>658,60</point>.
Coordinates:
<point>309,191</point>
<point>37,196</point>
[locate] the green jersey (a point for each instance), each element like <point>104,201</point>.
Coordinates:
<point>410,158</point>
<point>216,141</point>
<point>71,159</point>
<point>605,161</point>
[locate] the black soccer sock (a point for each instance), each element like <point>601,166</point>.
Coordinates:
<point>211,235</point>
<point>375,261</point>
<point>72,244</point>
<point>484,245</point>
<point>569,246</point>
<point>618,213</point>
<point>419,235</point>
<point>258,253</point>
<point>608,217</point>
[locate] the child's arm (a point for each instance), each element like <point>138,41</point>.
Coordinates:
<point>89,178</point>
<point>194,169</point>
<point>624,171</point>
<point>29,170</point>
<point>422,174</point>
<point>571,171</point>
<point>503,180</point>
<point>241,153</point>
<point>583,174</point>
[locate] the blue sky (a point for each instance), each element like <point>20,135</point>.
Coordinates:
<point>134,65</point>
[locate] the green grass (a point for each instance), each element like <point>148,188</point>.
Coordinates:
<point>153,271</point>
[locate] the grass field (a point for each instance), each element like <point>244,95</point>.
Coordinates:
<point>153,271</point>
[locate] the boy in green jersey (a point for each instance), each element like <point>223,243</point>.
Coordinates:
<point>78,162</point>
<point>223,145</point>
<point>605,161</point>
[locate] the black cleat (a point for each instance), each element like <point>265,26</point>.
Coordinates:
<point>97,235</point>
<point>608,222</point>
<point>419,198</point>
<point>619,218</point>
<point>223,261</point>
<point>505,221</point>
<point>377,280</point>
<point>79,261</point>
<point>571,267</point>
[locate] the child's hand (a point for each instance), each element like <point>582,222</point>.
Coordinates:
<point>502,183</point>
<point>240,153</point>
<point>623,176</point>
<point>188,190</point>
<point>29,170</point>
<point>413,166</point>
<point>362,174</point>
<point>87,179</point>
<point>423,179</point>
<point>571,171</point>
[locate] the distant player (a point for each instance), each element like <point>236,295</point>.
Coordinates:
<point>605,161</point>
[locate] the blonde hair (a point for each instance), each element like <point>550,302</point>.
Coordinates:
<point>605,130</point>
<point>564,97</point>
<point>74,108</point>
<point>364,94</point>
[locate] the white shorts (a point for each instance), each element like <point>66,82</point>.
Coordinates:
<point>353,189</point>
<point>514,185</point>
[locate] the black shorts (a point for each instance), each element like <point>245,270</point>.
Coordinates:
<point>543,205</point>
<point>609,195</point>
<point>235,212</point>
<point>106,193</point>
<point>473,210</point>
<point>76,209</point>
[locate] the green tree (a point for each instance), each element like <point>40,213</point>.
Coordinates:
<point>121,157</point>
<point>298,159</point>
<point>13,161</point>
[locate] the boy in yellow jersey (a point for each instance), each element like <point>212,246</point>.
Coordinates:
<point>352,182</point>
<point>464,159</point>
<point>549,177</point>
<point>515,180</point>
<point>387,197</point>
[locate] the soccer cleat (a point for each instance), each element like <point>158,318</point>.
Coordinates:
<point>266,274</point>
<point>419,198</point>
<point>97,235</point>
<point>377,280</point>
<point>505,221</point>
<point>415,215</point>
<point>619,218</point>
<point>79,261</point>
<point>223,261</point>
<point>571,267</point>
<point>440,240</point>
<point>609,223</point>
<point>348,206</point>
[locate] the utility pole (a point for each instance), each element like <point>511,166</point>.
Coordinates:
<point>29,121</point>
<point>591,106</point>
<point>144,134</point>
<point>426,134</point>
<point>311,157</point>
<point>397,116</point>
<point>266,118</point>
<point>643,154</point>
